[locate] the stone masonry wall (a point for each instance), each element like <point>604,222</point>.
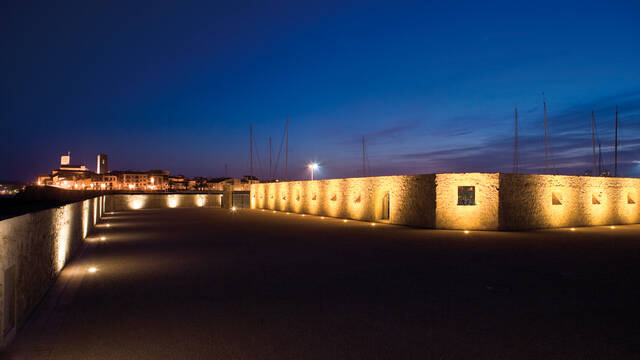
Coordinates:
<point>481,216</point>
<point>548,201</point>
<point>411,198</point>
<point>125,202</point>
<point>37,246</point>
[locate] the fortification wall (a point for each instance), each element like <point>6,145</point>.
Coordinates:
<point>547,201</point>
<point>34,248</point>
<point>500,201</point>
<point>481,216</point>
<point>411,198</point>
<point>123,202</point>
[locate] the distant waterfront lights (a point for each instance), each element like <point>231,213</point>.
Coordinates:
<point>345,220</point>
<point>373,224</point>
<point>466,231</point>
<point>131,186</point>
<point>573,229</point>
<point>612,227</point>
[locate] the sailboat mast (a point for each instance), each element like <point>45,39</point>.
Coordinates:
<point>251,148</point>
<point>599,158</point>
<point>615,166</point>
<point>515,144</point>
<point>270,158</point>
<point>546,136</point>
<point>286,153</point>
<point>364,168</point>
<point>593,141</point>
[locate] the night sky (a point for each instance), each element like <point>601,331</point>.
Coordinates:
<point>432,86</point>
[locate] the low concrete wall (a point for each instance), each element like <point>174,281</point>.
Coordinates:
<point>34,248</point>
<point>527,201</point>
<point>161,201</point>
<point>411,198</point>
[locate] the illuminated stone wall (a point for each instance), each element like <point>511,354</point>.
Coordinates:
<point>37,246</point>
<point>502,201</point>
<point>161,201</point>
<point>481,216</point>
<point>527,201</point>
<point>411,198</point>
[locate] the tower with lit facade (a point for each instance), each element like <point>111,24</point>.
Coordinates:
<point>103,164</point>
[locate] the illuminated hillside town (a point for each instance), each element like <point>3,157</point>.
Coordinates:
<point>78,177</point>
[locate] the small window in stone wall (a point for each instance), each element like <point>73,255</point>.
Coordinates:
<point>466,195</point>
<point>631,199</point>
<point>596,198</point>
<point>556,198</point>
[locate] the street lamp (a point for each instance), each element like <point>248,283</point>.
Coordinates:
<point>313,166</point>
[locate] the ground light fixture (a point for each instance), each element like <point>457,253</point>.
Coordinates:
<point>92,270</point>
<point>573,229</point>
<point>234,208</point>
<point>108,225</point>
<point>373,224</point>
<point>466,231</point>
<point>103,238</point>
<point>612,227</point>
<point>345,220</point>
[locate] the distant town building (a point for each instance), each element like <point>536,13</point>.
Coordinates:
<point>103,164</point>
<point>78,177</point>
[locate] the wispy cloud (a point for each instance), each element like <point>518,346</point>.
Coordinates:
<point>571,145</point>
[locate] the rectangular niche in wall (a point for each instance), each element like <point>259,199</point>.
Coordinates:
<point>596,198</point>
<point>9,306</point>
<point>466,195</point>
<point>556,198</point>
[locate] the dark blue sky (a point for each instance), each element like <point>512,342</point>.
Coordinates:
<point>432,86</point>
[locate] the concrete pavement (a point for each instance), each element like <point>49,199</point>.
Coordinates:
<point>208,283</point>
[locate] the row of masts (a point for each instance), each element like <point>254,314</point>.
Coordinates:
<point>549,163</point>
<point>272,172</point>
<point>548,156</point>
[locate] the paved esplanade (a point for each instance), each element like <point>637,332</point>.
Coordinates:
<point>210,284</point>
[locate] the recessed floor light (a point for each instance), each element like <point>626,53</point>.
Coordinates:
<point>92,269</point>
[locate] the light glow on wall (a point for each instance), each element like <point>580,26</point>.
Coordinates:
<point>201,200</point>
<point>85,218</point>
<point>136,202</point>
<point>63,238</point>
<point>173,201</point>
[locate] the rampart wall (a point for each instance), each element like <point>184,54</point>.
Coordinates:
<point>500,201</point>
<point>411,198</point>
<point>34,248</point>
<point>123,202</point>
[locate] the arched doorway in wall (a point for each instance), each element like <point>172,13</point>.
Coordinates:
<point>385,207</point>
